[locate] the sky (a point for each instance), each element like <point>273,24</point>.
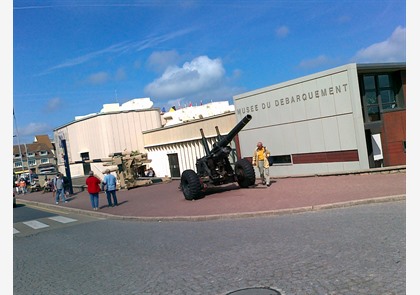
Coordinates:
<point>70,57</point>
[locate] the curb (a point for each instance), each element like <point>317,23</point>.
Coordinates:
<point>220,216</point>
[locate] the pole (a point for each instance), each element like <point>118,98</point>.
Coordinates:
<point>27,161</point>
<point>17,136</point>
<point>66,164</point>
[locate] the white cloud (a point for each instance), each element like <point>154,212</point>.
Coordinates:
<point>313,63</point>
<point>200,74</point>
<point>343,19</point>
<point>160,60</point>
<point>392,49</point>
<point>120,74</point>
<point>35,129</point>
<point>120,48</point>
<point>54,104</point>
<point>98,78</point>
<point>282,31</point>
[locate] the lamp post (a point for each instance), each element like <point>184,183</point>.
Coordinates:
<point>17,136</point>
<point>27,162</point>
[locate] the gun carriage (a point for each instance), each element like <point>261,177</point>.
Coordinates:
<point>215,169</point>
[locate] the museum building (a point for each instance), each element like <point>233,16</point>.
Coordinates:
<point>348,118</point>
<point>344,119</point>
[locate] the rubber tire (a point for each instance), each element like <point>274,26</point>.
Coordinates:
<point>245,173</point>
<point>190,185</point>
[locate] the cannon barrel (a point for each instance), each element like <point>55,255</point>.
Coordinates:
<point>204,141</point>
<point>228,137</point>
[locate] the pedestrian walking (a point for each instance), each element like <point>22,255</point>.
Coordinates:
<point>59,189</point>
<point>111,187</point>
<point>260,161</point>
<point>93,189</point>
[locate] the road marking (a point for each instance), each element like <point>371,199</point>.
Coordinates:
<point>35,224</point>
<point>62,219</point>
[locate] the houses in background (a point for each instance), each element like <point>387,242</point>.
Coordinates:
<point>37,158</point>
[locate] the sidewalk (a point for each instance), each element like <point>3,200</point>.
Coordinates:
<point>164,201</point>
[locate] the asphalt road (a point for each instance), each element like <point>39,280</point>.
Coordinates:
<point>351,250</point>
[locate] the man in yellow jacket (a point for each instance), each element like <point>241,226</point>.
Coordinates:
<point>260,160</point>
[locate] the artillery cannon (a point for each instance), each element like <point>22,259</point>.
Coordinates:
<point>128,166</point>
<point>215,169</point>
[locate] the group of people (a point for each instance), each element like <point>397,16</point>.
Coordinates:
<point>109,184</point>
<point>21,186</point>
<point>25,184</point>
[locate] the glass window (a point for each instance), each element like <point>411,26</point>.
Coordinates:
<point>32,162</point>
<point>378,94</point>
<point>373,113</point>
<point>286,159</point>
<point>43,153</point>
<point>388,99</point>
<point>45,160</point>
<point>84,156</point>
<point>383,81</point>
<point>18,164</point>
<point>31,154</point>
<point>369,82</point>
<point>371,97</point>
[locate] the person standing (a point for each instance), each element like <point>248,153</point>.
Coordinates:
<point>52,187</point>
<point>22,186</point>
<point>93,189</point>
<point>150,172</point>
<point>59,189</point>
<point>111,187</point>
<point>260,160</point>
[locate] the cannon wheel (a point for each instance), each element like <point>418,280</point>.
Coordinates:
<point>245,173</point>
<point>190,184</point>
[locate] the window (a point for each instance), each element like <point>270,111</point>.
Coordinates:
<point>18,164</point>
<point>281,160</point>
<point>371,99</point>
<point>31,154</point>
<point>86,166</point>
<point>16,156</point>
<point>32,162</point>
<point>386,92</point>
<point>380,92</point>
<point>43,153</point>
<point>84,156</point>
<point>45,160</point>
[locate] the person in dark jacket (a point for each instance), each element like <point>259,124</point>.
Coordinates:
<point>93,189</point>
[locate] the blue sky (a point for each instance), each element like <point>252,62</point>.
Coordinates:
<point>71,57</point>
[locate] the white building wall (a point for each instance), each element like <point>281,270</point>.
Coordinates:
<point>106,133</point>
<point>188,152</point>
<point>185,141</point>
<point>313,114</point>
